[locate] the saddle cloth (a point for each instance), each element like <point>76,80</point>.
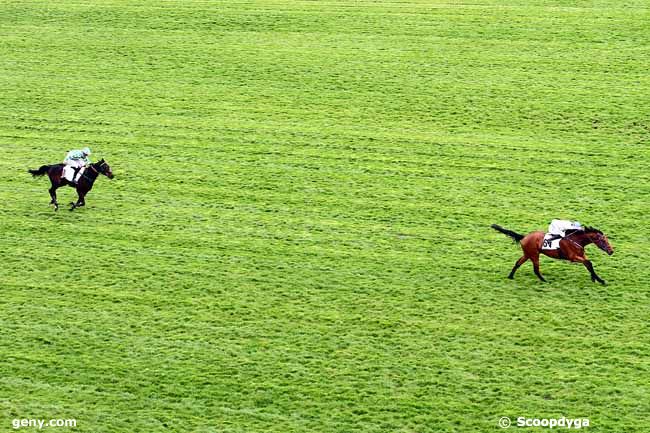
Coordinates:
<point>68,172</point>
<point>551,241</point>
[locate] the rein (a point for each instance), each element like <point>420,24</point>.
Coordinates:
<point>94,169</point>
<point>572,241</point>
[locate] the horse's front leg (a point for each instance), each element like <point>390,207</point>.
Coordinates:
<point>80,201</point>
<point>594,276</point>
<point>590,268</point>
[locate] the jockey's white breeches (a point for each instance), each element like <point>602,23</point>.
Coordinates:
<point>76,163</point>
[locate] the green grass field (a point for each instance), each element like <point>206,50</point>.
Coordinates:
<point>297,238</point>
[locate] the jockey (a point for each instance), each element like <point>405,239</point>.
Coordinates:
<point>560,228</point>
<point>77,159</point>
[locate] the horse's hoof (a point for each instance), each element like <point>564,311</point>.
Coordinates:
<point>510,277</point>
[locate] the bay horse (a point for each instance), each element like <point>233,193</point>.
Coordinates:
<point>572,248</point>
<point>83,186</point>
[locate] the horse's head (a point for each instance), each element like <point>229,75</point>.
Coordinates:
<point>104,168</point>
<point>599,239</point>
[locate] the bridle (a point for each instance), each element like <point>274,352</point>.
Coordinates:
<point>575,243</point>
<point>92,166</point>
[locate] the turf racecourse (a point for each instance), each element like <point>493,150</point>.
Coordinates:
<point>297,238</point>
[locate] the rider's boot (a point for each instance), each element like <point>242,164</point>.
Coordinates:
<point>74,176</point>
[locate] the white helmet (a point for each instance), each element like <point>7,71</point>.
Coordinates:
<point>86,150</point>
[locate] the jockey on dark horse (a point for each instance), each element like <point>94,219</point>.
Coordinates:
<point>70,173</point>
<point>74,161</point>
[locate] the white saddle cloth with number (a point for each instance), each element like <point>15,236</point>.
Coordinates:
<point>68,173</point>
<point>551,241</point>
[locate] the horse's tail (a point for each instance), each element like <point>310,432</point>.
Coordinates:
<point>516,236</point>
<point>41,171</point>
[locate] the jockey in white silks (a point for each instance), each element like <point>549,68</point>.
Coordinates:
<point>75,160</point>
<point>560,227</point>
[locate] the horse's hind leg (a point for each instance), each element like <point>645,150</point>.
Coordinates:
<point>53,195</point>
<point>520,262</point>
<point>531,246</point>
<point>535,260</point>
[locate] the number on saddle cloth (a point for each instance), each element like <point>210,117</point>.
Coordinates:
<point>551,241</point>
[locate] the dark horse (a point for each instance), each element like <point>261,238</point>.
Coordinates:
<point>572,248</point>
<point>83,186</point>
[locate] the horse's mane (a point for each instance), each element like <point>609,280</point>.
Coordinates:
<point>585,230</point>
